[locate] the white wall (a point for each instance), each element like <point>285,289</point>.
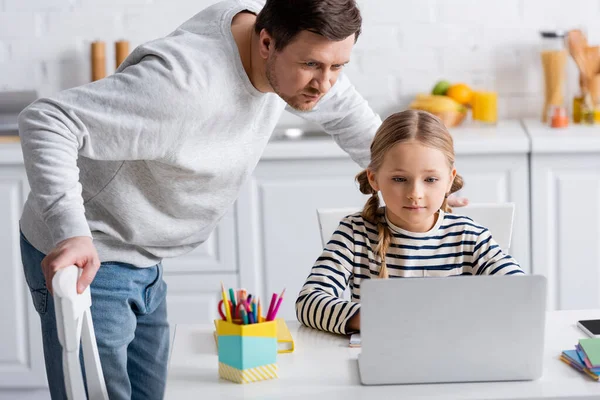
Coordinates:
<point>406,45</point>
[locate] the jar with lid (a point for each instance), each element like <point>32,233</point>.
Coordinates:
<point>554,61</point>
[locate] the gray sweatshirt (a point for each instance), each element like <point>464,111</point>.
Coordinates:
<point>148,160</point>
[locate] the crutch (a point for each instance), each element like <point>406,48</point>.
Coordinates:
<point>74,325</point>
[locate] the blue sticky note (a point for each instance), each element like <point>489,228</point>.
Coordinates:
<point>580,354</point>
<point>572,356</point>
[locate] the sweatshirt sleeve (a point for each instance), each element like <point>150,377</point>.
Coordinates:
<point>320,304</point>
<point>346,116</point>
<point>491,260</point>
<point>131,115</point>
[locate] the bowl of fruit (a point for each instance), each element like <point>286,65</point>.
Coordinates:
<point>447,101</point>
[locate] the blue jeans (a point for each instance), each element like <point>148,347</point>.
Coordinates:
<point>129,311</point>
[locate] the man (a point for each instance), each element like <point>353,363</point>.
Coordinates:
<point>142,165</point>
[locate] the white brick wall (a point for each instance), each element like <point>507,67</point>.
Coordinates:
<point>406,45</point>
<point>37,5</point>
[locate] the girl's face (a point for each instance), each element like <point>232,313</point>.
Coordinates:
<point>413,180</point>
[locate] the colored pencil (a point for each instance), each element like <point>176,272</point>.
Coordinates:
<point>254,310</point>
<point>233,303</point>
<point>244,316</point>
<point>271,305</point>
<point>276,309</point>
<point>225,303</point>
<point>259,311</point>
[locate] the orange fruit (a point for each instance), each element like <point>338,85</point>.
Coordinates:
<point>460,92</point>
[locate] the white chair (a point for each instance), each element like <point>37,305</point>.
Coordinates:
<point>497,217</point>
<point>74,325</point>
<point>329,219</point>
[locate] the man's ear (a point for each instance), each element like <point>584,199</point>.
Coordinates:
<point>266,44</point>
<point>372,180</point>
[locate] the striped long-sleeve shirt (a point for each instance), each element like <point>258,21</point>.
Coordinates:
<point>456,245</point>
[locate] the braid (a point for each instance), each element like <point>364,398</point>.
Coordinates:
<point>457,184</point>
<point>384,237</point>
<point>371,213</point>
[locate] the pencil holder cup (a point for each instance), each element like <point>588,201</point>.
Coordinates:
<point>247,353</point>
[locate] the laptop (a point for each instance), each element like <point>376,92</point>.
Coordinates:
<point>454,329</point>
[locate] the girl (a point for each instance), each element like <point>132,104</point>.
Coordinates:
<point>414,235</point>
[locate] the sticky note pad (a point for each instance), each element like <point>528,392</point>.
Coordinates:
<point>285,342</point>
<point>591,347</point>
<point>572,356</point>
<point>582,357</point>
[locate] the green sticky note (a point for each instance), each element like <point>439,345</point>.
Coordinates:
<point>591,347</point>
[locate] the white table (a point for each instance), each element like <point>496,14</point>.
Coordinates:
<point>323,366</point>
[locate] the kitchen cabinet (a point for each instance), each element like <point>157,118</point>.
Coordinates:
<point>193,279</point>
<point>21,359</point>
<point>565,201</point>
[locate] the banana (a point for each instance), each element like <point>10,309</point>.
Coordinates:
<point>435,104</point>
<point>436,98</point>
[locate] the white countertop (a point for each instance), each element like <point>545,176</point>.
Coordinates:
<point>323,366</point>
<point>576,138</point>
<point>508,137</point>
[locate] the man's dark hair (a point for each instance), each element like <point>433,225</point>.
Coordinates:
<point>332,19</point>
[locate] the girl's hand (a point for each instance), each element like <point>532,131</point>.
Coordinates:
<point>353,324</point>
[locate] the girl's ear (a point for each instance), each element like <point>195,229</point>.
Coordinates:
<point>372,180</point>
<point>452,176</point>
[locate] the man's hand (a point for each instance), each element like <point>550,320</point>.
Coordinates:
<point>77,251</point>
<point>454,201</point>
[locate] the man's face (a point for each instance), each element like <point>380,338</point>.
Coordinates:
<point>307,68</point>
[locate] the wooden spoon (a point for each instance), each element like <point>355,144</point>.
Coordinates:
<point>595,88</point>
<point>592,55</point>
<point>577,48</point>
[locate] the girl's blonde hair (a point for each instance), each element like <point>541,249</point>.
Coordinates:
<point>402,127</point>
